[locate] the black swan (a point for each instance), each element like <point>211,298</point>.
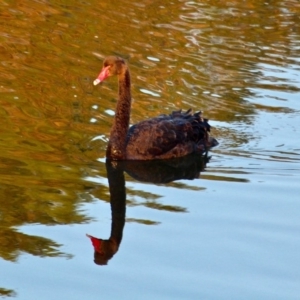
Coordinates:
<point>163,137</point>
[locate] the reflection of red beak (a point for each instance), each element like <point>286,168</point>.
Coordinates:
<point>96,243</point>
<point>102,76</point>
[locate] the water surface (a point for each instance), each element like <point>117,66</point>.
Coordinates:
<point>232,233</point>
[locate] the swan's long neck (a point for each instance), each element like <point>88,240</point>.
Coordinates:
<point>117,143</point>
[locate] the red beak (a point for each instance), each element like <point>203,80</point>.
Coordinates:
<point>102,76</point>
<point>96,242</point>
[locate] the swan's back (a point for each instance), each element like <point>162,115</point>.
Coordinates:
<point>168,136</point>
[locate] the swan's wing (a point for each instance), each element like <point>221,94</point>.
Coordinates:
<point>163,138</point>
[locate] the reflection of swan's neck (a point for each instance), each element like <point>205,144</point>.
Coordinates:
<point>117,191</point>
<point>117,142</point>
<point>105,249</point>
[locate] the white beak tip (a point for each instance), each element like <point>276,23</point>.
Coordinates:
<point>96,81</point>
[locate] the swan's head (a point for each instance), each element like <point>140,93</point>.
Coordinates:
<point>112,65</point>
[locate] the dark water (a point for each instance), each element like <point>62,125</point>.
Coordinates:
<point>233,233</point>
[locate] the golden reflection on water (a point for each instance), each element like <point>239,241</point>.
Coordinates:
<point>211,55</point>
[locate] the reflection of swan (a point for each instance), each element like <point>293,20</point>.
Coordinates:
<point>164,171</point>
<point>159,171</point>
<point>105,249</point>
<point>163,137</point>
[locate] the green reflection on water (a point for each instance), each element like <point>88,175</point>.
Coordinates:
<point>7,293</point>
